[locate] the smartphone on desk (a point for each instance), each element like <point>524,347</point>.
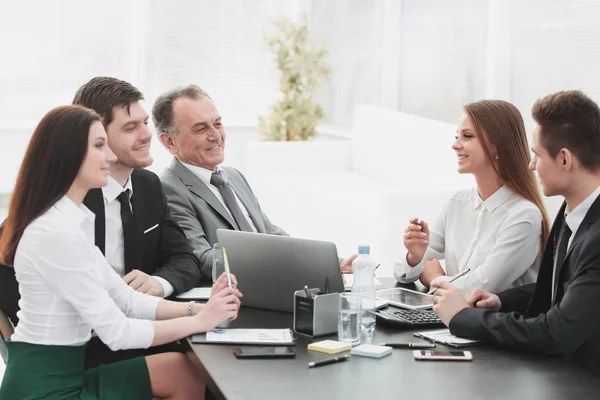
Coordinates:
<point>264,352</point>
<point>442,355</point>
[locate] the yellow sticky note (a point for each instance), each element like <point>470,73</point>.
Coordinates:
<point>330,346</point>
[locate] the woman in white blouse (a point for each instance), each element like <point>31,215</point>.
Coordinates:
<point>68,289</point>
<point>492,234</point>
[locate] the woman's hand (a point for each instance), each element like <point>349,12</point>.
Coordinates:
<point>222,305</point>
<point>416,241</point>
<point>221,283</point>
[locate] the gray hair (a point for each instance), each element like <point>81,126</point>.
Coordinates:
<point>162,110</point>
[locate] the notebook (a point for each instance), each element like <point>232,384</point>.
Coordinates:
<point>246,336</point>
<point>444,336</point>
<point>198,293</point>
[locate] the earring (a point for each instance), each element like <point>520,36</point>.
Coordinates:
<point>496,156</point>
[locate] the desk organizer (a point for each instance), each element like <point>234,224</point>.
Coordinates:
<point>316,316</point>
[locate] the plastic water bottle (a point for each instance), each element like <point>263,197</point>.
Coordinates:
<point>363,268</point>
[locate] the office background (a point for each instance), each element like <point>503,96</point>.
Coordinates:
<point>401,69</point>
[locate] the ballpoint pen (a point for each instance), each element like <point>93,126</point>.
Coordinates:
<point>409,345</point>
<point>307,292</point>
<point>415,221</point>
<point>455,277</point>
<point>226,265</point>
<point>333,360</point>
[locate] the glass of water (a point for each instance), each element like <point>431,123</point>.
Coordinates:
<point>218,266</point>
<point>349,325</point>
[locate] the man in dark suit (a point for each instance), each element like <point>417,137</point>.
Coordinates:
<point>558,315</point>
<point>133,226</point>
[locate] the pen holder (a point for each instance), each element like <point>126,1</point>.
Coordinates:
<point>316,316</point>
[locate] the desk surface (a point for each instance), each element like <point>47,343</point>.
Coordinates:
<point>493,373</point>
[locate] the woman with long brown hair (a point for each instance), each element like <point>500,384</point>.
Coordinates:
<point>492,234</point>
<point>68,289</point>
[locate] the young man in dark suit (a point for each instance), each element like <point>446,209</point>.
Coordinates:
<point>133,226</point>
<point>558,315</point>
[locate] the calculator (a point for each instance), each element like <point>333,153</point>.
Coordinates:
<point>408,318</point>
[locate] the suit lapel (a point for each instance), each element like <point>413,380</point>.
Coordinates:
<point>590,218</point>
<point>199,188</point>
<point>95,202</point>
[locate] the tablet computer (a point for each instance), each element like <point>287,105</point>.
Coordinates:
<point>406,298</point>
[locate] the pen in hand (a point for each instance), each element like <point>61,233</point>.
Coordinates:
<point>455,277</point>
<point>409,345</point>
<point>333,360</point>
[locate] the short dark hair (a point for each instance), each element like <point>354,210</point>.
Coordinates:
<point>162,111</point>
<point>52,160</point>
<point>102,94</point>
<point>569,119</point>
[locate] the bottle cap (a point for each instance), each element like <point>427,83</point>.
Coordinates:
<point>364,249</point>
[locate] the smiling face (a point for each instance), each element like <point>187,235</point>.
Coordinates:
<point>94,169</point>
<point>468,148</point>
<point>200,137</point>
<point>129,136</point>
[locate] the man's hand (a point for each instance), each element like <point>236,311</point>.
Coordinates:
<point>221,283</point>
<point>479,298</point>
<point>346,265</point>
<point>448,301</point>
<point>431,270</point>
<point>144,283</point>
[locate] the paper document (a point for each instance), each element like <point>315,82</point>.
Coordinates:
<point>197,293</point>
<point>250,336</point>
<point>444,336</point>
<point>349,281</point>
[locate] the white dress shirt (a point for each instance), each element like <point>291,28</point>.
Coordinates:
<point>205,174</point>
<point>67,287</point>
<point>574,220</point>
<point>114,247</point>
<point>497,239</point>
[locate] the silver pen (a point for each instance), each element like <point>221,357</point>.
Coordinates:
<point>455,277</point>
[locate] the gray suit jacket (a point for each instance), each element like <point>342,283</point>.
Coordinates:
<point>199,212</point>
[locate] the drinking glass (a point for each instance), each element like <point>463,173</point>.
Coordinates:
<point>349,319</point>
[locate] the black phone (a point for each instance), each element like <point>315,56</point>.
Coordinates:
<point>264,352</point>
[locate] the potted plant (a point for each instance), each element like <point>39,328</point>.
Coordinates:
<point>303,69</point>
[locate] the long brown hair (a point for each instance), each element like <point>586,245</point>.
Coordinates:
<point>52,160</point>
<point>504,128</point>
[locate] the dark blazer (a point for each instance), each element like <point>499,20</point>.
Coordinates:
<point>165,251</point>
<point>199,213</point>
<point>529,320</point>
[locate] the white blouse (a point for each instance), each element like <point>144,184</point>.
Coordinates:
<point>67,287</point>
<point>498,239</point>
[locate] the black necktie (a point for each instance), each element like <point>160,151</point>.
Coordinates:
<point>230,201</point>
<point>130,247</point>
<point>561,251</point>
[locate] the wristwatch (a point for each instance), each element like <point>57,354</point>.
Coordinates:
<point>190,307</point>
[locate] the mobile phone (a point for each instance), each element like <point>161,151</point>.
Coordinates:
<point>264,352</point>
<point>442,355</point>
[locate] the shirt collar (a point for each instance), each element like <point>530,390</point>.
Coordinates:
<point>113,189</point>
<point>205,174</point>
<point>492,202</point>
<point>74,213</point>
<point>576,216</point>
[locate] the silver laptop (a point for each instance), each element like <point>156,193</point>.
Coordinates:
<point>270,268</point>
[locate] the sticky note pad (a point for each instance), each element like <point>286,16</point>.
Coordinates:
<point>329,346</point>
<point>371,350</point>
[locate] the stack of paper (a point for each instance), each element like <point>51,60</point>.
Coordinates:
<point>371,350</point>
<point>199,293</point>
<point>330,346</point>
<point>444,336</point>
<point>247,336</point>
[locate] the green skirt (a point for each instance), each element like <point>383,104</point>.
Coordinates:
<point>56,372</point>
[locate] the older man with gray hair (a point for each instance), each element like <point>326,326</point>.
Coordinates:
<point>203,196</point>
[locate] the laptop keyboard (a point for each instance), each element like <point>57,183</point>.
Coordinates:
<point>409,318</point>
